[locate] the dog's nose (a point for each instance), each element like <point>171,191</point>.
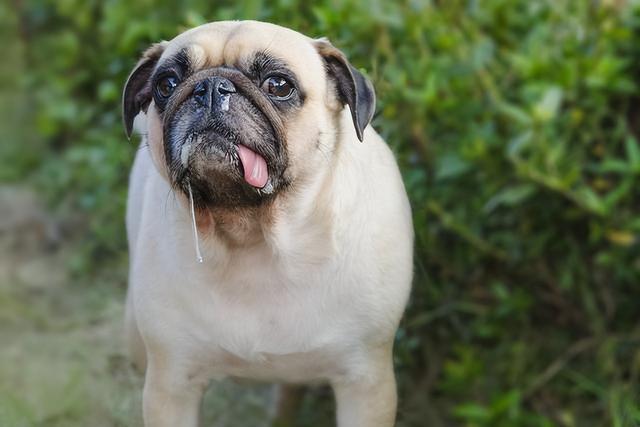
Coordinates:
<point>213,92</point>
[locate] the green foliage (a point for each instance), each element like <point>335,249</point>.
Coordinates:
<point>516,124</point>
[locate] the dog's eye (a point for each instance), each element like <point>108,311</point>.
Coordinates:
<point>166,86</point>
<point>278,87</point>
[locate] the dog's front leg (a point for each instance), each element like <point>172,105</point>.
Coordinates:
<point>170,398</point>
<point>368,400</point>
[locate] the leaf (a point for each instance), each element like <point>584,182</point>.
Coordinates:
<point>515,113</point>
<point>547,108</point>
<point>450,166</point>
<point>613,166</point>
<point>590,200</point>
<point>472,412</point>
<point>510,196</point>
<point>621,237</point>
<point>517,144</point>
<point>633,153</point>
<point>507,403</point>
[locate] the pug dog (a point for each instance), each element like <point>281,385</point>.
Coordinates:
<point>269,230</point>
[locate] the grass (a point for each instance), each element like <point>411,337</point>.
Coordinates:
<point>62,361</point>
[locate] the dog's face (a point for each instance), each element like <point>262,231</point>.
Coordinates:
<point>241,111</point>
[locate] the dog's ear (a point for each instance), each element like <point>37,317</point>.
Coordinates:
<point>354,89</point>
<point>137,89</point>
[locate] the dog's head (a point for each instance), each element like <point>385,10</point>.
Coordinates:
<point>242,110</point>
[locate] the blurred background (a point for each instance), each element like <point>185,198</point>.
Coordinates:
<point>516,126</point>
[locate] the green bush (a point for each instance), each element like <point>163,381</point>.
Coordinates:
<point>515,123</point>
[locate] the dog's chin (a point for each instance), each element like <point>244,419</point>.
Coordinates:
<point>209,163</point>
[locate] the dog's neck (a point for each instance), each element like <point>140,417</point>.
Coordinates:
<point>297,221</point>
<point>235,228</point>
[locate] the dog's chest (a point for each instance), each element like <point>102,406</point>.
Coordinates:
<point>266,321</point>
<point>277,335</point>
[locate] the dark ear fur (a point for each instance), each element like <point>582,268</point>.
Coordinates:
<point>354,89</point>
<point>137,89</point>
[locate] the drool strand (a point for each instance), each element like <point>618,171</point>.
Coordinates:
<point>195,225</point>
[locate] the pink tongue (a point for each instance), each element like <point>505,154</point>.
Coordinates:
<point>255,168</point>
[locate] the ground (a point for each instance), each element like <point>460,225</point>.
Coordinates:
<point>62,359</point>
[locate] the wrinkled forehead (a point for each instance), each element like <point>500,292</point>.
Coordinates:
<point>233,43</point>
